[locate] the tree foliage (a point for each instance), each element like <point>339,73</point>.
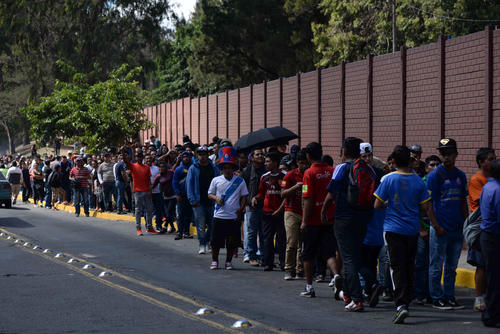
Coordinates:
<point>102,114</point>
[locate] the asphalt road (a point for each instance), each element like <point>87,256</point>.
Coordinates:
<point>157,285</point>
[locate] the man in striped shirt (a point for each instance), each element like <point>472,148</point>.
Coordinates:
<point>79,176</point>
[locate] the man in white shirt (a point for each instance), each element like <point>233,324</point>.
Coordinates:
<point>230,195</point>
<point>14,176</point>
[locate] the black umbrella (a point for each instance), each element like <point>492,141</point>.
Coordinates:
<point>264,138</point>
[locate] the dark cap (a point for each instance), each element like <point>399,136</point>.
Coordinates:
<point>416,148</point>
<point>447,143</point>
<point>139,154</point>
<point>202,149</point>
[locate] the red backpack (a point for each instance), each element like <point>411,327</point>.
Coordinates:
<point>361,185</point>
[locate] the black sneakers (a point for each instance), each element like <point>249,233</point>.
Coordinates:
<point>308,293</point>
<point>374,295</point>
<point>454,305</point>
<point>401,314</point>
<point>441,305</point>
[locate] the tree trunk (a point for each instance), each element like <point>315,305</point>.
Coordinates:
<point>26,136</point>
<point>12,148</point>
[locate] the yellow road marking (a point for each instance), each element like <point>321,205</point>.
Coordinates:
<point>152,287</point>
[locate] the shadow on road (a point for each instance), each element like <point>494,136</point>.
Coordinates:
<point>14,222</point>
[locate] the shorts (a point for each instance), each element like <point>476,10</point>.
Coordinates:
<point>319,240</point>
<point>475,258</point>
<point>225,233</point>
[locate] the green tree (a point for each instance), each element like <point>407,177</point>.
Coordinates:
<point>102,114</point>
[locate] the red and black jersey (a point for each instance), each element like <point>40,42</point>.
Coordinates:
<point>270,190</point>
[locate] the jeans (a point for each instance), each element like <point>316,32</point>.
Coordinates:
<point>81,194</point>
<point>490,248</point>
<point>203,215</point>
<point>169,209</point>
<point>272,226</point>
<point>143,206</point>
<point>444,249</point>
<point>368,269</point>
<point>120,190</point>
<point>48,195</point>
<point>422,269</point>
<point>350,234</point>
<point>402,250</point>
<point>65,184</point>
<point>108,189</point>
<point>158,209</point>
<point>184,215</point>
<point>253,228</point>
<point>27,191</point>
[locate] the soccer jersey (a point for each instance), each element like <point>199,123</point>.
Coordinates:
<point>270,190</point>
<point>219,187</point>
<point>293,203</point>
<point>315,183</point>
<point>403,193</point>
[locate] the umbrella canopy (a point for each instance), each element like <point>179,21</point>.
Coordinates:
<point>264,138</point>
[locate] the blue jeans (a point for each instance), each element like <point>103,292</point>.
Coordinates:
<point>253,229</point>
<point>203,215</point>
<point>158,209</point>
<point>143,207</point>
<point>184,215</point>
<point>81,194</point>
<point>445,250</point>
<point>108,189</point>
<point>422,269</point>
<point>48,195</point>
<point>120,190</point>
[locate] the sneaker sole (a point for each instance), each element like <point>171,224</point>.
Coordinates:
<point>461,307</point>
<point>445,308</point>
<point>308,296</point>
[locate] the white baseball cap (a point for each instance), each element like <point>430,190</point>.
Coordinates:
<point>365,148</point>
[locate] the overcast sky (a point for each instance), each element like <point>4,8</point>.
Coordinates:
<point>185,7</point>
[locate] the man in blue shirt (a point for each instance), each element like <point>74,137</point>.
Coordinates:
<point>184,210</point>
<point>403,193</point>
<point>448,187</point>
<point>489,205</point>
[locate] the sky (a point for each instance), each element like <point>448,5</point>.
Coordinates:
<point>185,7</point>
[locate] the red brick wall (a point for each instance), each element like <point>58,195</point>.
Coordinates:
<point>414,117</point>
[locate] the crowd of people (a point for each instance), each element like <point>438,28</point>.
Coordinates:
<point>388,230</point>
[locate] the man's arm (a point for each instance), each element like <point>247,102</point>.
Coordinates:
<point>330,198</point>
<point>379,204</point>
<point>290,192</point>
<point>464,207</point>
<point>427,207</point>
<point>280,209</point>
<point>308,203</point>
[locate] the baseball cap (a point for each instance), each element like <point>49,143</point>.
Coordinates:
<point>365,148</point>
<point>416,148</point>
<point>447,143</point>
<point>202,149</point>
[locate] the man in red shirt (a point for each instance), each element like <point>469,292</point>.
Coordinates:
<point>80,176</point>
<point>272,212</point>
<point>318,235</point>
<point>141,177</point>
<point>292,193</point>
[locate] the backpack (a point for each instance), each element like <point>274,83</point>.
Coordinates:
<point>472,229</point>
<point>360,185</point>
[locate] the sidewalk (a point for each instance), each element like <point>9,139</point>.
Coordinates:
<point>465,272</point>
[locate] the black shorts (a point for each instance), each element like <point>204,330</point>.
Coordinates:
<point>319,240</point>
<point>225,233</point>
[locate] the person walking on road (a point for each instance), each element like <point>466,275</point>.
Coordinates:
<point>448,187</point>
<point>230,193</point>
<point>198,180</point>
<point>15,178</point>
<point>80,176</point>
<point>141,176</point>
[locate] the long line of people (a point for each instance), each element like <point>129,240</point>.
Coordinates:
<point>382,229</point>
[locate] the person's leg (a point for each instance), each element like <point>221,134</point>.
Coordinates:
<point>280,239</point>
<point>86,201</point>
<point>209,219</point>
<point>180,220</point>
<point>368,269</point>
<point>252,233</point>
<point>199,218</point>
<point>120,190</point>
<point>291,243</point>
<point>158,209</point>
<point>268,229</point>
<point>421,278</point>
<point>78,194</point>
<point>148,203</point>
<point>15,191</point>
<point>490,247</point>
<point>437,248</point>
<point>233,239</point>
<point>138,208</point>
<point>107,190</point>
<point>346,242</point>
<point>453,251</point>
<point>411,250</point>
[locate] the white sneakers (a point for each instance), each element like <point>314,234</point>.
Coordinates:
<point>479,305</point>
<point>203,249</point>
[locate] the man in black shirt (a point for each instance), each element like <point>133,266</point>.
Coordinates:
<point>253,217</point>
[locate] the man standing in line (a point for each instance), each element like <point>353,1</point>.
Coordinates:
<point>184,210</point>
<point>448,187</point>
<point>106,176</point>
<point>253,216</point>
<point>66,166</point>
<point>15,178</point>
<point>198,180</point>
<point>484,157</point>
<point>80,176</point>
<point>230,193</point>
<point>141,174</point>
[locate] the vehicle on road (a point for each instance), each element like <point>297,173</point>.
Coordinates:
<point>5,190</point>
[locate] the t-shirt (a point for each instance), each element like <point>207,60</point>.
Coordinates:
<point>490,206</point>
<point>270,190</point>
<point>294,203</point>
<point>476,184</point>
<point>14,175</point>
<point>106,172</point>
<point>403,193</point>
<point>338,187</point>
<point>165,182</point>
<point>141,175</point>
<point>315,182</point>
<point>205,178</point>
<point>375,229</point>
<point>155,171</point>
<point>448,188</point>
<point>118,169</point>
<point>78,173</point>
<point>218,187</point>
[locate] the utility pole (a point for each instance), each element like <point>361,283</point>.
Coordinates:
<point>394,32</point>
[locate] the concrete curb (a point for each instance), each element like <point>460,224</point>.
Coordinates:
<point>464,278</point>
